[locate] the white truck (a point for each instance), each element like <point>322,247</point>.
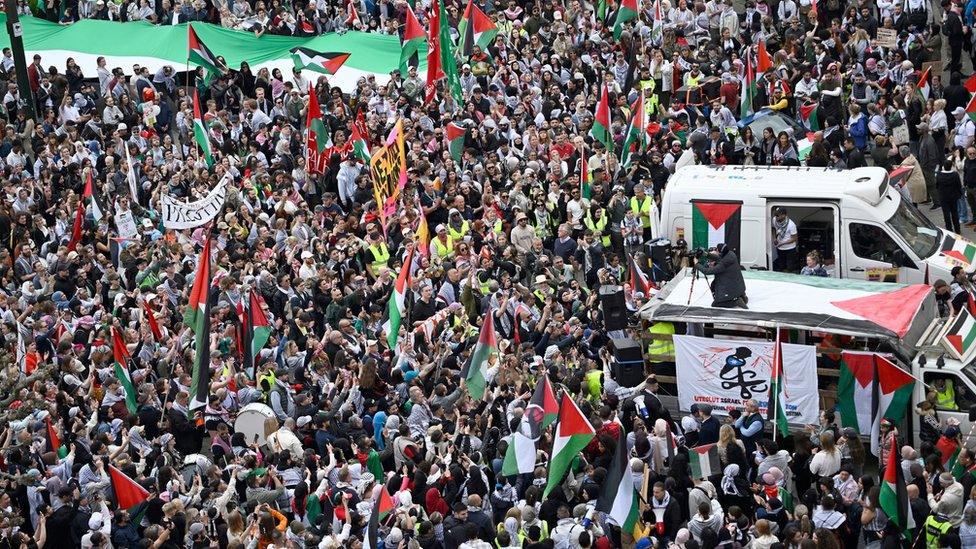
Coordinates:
<point>862,226</point>
<point>899,320</point>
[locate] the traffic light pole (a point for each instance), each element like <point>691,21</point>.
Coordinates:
<point>16,33</point>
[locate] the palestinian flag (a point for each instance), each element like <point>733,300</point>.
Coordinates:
<point>477,366</point>
<point>618,496</point>
<point>258,328</point>
<point>197,317</point>
<point>971,108</point>
<point>636,138</point>
<point>396,306</point>
<point>924,88</point>
<point>970,84</point>
<point>323,62</point>
<point>385,505</point>
<point>200,131</point>
<point>638,280</point>
<point>413,39</point>
<point>318,138</point>
<point>441,62</point>
<point>763,62</point>
<point>475,29</point>
<point>573,433</point>
<point>657,28</point>
<point>627,12</point>
<point>748,89</point>
<point>810,116</point>
<point>586,179</point>
<point>716,222</point>
<point>76,230</point>
<point>153,323</point>
<point>520,455</point>
<point>122,370</point>
<point>26,354</point>
<point>455,140</point>
<point>360,147</point>
<point>128,493</point>
<point>542,409</point>
<point>775,409</point>
<point>200,54</point>
<point>959,250</point>
<point>601,11</point>
<point>601,122</point>
<point>961,336</point>
<point>894,493</point>
<point>89,192</point>
<point>704,461</point>
<point>871,388</point>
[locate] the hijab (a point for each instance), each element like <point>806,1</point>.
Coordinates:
<point>728,480</point>
<point>435,503</point>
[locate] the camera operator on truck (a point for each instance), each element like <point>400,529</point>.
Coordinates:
<point>728,288</point>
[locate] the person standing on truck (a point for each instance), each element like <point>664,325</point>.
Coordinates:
<point>949,188</point>
<point>784,238</point>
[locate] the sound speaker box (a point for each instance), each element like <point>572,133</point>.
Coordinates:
<point>614,307</point>
<point>628,374</point>
<point>626,349</point>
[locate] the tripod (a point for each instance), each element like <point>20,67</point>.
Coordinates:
<point>695,273</point>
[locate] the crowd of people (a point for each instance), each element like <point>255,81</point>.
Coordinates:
<point>526,224</point>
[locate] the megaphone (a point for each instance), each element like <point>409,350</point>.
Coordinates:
<point>659,520</point>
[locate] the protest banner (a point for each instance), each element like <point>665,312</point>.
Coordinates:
<point>726,373</point>
<point>188,215</point>
<point>388,170</point>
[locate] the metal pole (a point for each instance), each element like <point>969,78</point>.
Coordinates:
<point>16,31</point>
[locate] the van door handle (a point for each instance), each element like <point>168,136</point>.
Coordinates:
<point>857,269</point>
<point>757,268</point>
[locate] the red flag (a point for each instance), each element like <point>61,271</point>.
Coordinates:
<point>128,493</point>
<point>153,324</point>
<point>763,63</point>
<point>52,436</point>
<point>434,69</point>
<point>79,222</point>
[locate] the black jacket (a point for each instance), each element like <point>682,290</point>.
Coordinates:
<point>948,186</point>
<point>728,284</point>
<point>708,432</point>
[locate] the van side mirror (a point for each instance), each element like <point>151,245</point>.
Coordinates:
<point>972,413</point>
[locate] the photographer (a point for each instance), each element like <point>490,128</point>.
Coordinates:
<point>728,287</point>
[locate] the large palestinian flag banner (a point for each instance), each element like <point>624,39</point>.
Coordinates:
<point>960,338</point>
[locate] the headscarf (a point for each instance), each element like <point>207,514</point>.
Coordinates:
<point>728,480</point>
<point>379,422</point>
<point>435,503</point>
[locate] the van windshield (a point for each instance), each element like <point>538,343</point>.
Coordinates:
<point>915,229</point>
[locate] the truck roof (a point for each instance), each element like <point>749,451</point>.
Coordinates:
<point>867,184</point>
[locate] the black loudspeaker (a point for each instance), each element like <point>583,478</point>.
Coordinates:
<point>628,374</point>
<point>614,308</point>
<point>661,268</point>
<point>626,349</point>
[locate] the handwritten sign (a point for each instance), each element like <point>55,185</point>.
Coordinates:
<point>388,171</point>
<point>887,38</point>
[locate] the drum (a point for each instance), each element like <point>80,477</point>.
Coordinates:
<point>256,420</point>
<point>194,464</point>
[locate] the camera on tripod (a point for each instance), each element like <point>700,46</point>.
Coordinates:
<point>698,253</point>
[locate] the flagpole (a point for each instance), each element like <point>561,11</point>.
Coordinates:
<point>776,350</point>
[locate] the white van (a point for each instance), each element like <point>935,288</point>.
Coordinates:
<point>862,226</point>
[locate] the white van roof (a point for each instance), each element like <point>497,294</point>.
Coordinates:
<point>866,184</point>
